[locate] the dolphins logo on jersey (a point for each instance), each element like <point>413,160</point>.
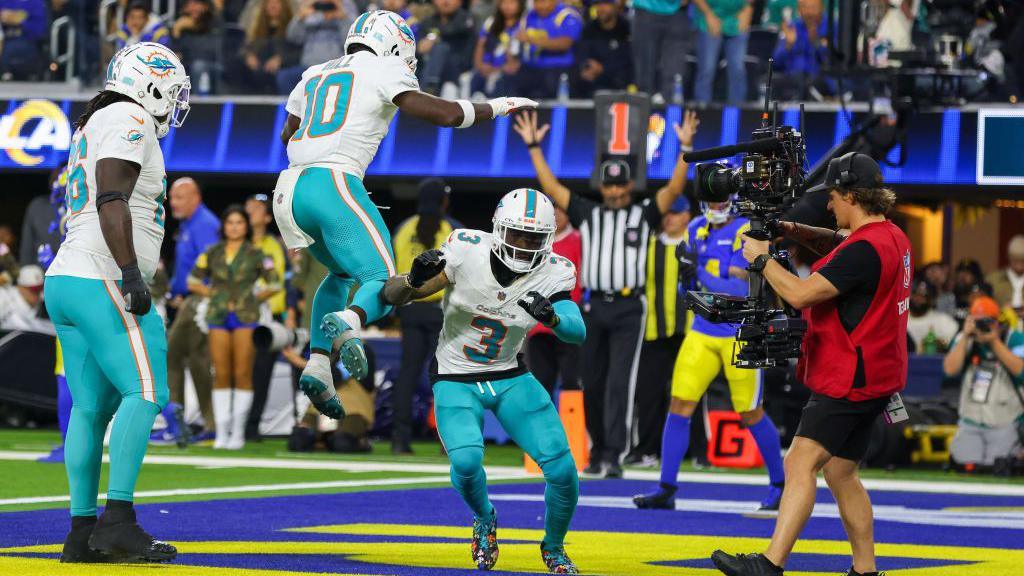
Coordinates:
<point>158,64</point>
<point>133,137</point>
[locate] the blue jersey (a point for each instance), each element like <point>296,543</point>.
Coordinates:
<point>717,249</point>
<point>564,21</point>
<point>195,235</point>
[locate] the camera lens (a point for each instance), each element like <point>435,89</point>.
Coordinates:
<point>716,182</point>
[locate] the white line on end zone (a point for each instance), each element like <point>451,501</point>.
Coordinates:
<point>256,488</point>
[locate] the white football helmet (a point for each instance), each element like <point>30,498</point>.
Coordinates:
<point>386,33</point>
<point>152,75</point>
<point>719,215</point>
<point>524,229</point>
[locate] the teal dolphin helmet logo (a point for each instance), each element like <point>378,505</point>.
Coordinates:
<point>405,32</point>
<point>157,63</point>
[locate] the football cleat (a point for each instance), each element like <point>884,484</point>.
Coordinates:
<point>557,561</point>
<point>76,546</point>
<point>613,470</point>
<point>595,468</point>
<point>664,498</point>
<point>853,572</point>
<point>485,542</point>
<point>745,564</point>
<point>56,456</point>
<point>773,499</point>
<point>353,356</point>
<point>119,536</point>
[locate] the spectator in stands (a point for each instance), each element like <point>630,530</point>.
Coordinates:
<point>258,208</point>
<point>547,38</point>
<point>604,56</point>
<point>779,12</point>
<point>267,50</point>
<point>197,38</point>
<point>19,305</point>
<point>229,274</point>
<point>967,283</point>
<point>722,24</point>
<point>494,62</point>
<point>896,26</point>
<point>23,28</point>
<point>1008,283</point>
<point>320,28</point>
<point>38,230</point>
<point>800,53</point>
<point>186,344</point>
<point>936,274</point>
<point>445,47</point>
<point>930,330</point>
<point>663,332</point>
<point>549,358</point>
<point>8,263</point>
<point>421,320</point>
<point>989,359</point>
<point>141,25</point>
<point>661,42</point>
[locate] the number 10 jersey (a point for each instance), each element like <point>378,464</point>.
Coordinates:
<point>484,326</point>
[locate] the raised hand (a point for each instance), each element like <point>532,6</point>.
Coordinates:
<point>526,127</point>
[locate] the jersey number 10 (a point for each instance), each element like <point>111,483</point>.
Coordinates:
<point>327,99</point>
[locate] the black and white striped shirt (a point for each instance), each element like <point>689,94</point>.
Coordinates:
<point>614,243</point>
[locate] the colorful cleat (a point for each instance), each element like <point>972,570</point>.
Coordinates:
<point>773,499</point>
<point>323,396</point>
<point>664,498</point>
<point>353,356</point>
<point>485,542</point>
<point>557,561</point>
<point>56,456</point>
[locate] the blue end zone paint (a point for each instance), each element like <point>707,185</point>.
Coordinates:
<point>266,519</point>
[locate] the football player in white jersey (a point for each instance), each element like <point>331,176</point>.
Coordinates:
<point>499,286</point>
<point>338,115</point>
<point>113,340</point>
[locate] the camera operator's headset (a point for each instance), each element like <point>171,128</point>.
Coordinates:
<point>840,172</point>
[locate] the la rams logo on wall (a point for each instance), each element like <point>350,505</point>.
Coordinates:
<point>33,129</point>
<point>158,63</point>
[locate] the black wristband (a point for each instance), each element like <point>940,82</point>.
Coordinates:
<point>760,262</point>
<point>110,197</point>
<point>533,145</point>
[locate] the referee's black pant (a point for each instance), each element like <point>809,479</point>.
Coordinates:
<point>611,355</point>
<point>548,358</point>
<point>653,392</point>
<point>421,325</point>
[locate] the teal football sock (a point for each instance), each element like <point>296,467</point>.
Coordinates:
<point>83,456</point>
<point>128,441</point>
<point>560,497</point>
<point>371,301</point>
<point>470,480</point>
<point>331,296</point>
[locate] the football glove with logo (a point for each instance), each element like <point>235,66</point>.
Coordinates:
<point>510,104</point>
<point>426,266</point>
<point>540,308</point>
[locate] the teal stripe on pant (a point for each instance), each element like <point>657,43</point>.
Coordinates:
<point>116,366</point>
<point>350,238</point>
<point>525,410</point>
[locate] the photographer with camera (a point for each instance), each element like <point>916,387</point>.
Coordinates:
<point>988,357</point>
<point>853,358</point>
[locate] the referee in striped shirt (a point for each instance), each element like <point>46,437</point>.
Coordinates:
<point>614,268</point>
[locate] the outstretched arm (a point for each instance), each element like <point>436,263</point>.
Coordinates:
<point>457,113</point>
<point>526,127</point>
<point>115,181</point>
<point>426,277</point>
<point>570,327</point>
<point>668,193</point>
<point>821,241</point>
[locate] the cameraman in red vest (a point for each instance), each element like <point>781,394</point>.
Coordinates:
<point>854,356</point>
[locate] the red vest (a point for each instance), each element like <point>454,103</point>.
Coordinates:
<point>828,362</point>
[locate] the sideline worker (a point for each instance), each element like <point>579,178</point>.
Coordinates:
<point>854,358</point>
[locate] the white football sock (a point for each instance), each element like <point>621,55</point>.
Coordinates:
<point>222,416</point>
<point>239,416</point>
<point>319,367</point>
<point>352,319</point>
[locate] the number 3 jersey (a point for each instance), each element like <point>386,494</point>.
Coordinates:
<point>346,106</point>
<point>123,130</point>
<point>484,326</point>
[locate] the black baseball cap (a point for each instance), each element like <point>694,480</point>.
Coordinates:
<point>431,193</point>
<point>851,170</point>
<point>615,172</point>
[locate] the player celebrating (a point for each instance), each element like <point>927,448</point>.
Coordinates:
<point>714,255</point>
<point>115,348</point>
<point>492,279</point>
<point>338,114</point>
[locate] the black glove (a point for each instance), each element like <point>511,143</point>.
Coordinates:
<point>687,265</point>
<point>539,307</point>
<point>426,266</point>
<point>136,294</point>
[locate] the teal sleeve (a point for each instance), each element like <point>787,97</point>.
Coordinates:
<point>570,326</point>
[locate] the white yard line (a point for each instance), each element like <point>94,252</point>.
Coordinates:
<point>935,487</point>
<point>255,488</point>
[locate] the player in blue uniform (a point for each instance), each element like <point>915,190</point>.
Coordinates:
<point>714,244</point>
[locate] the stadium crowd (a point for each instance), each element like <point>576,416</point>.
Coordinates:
<point>671,49</point>
<point>230,274</point>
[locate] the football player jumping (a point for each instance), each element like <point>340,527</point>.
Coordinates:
<point>337,116</point>
<point>499,286</point>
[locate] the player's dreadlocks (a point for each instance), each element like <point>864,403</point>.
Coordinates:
<point>101,100</point>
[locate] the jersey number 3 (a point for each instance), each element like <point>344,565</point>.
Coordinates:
<point>327,99</point>
<point>493,335</point>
